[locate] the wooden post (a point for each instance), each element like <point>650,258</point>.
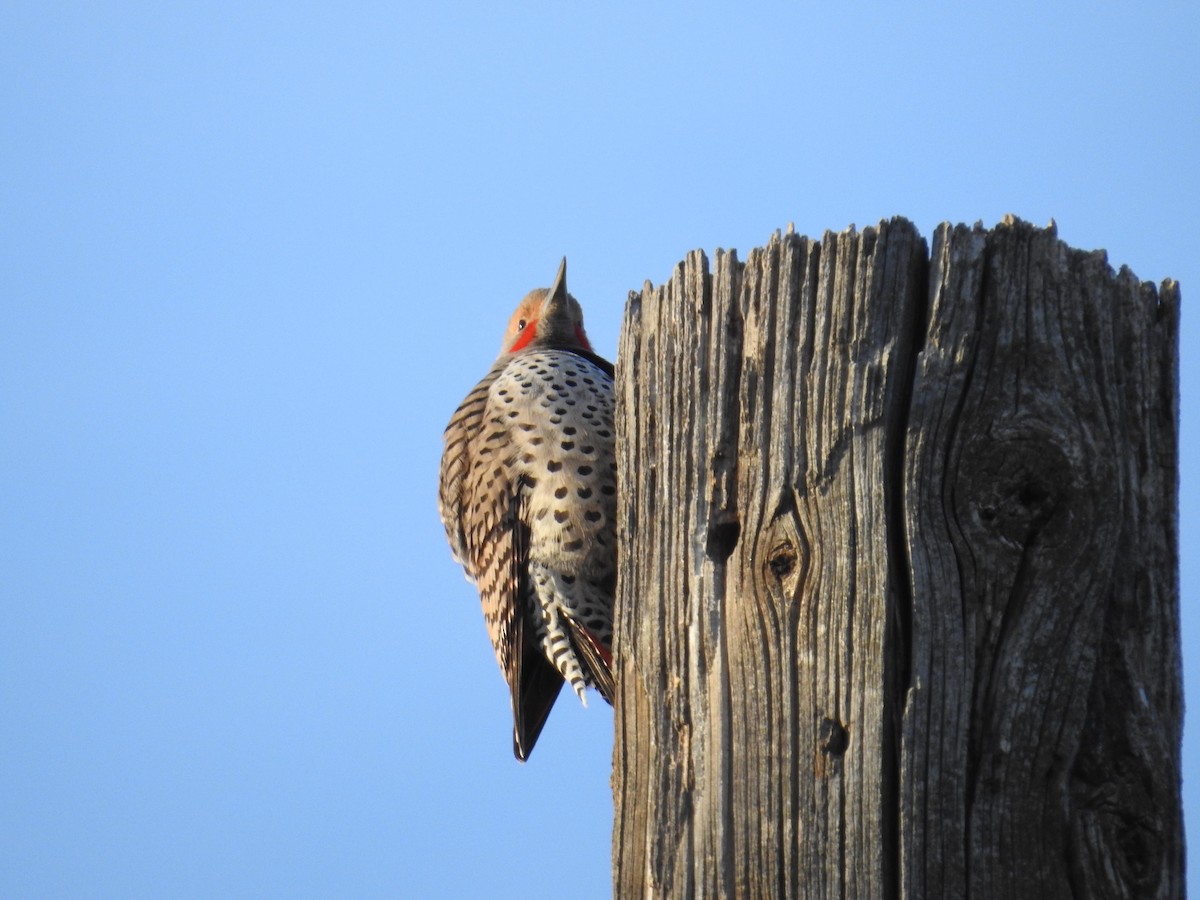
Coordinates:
<point>898,608</point>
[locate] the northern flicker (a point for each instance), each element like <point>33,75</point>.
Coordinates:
<point>528,497</point>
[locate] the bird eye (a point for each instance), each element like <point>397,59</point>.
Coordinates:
<point>521,325</point>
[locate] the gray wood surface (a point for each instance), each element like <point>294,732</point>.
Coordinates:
<point>897,611</point>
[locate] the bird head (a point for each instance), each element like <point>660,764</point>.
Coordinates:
<point>548,318</point>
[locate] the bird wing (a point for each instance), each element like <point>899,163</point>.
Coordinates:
<point>456,463</point>
<point>503,578</point>
<point>532,679</point>
<point>489,519</point>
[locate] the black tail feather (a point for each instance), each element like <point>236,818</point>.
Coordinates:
<point>533,692</point>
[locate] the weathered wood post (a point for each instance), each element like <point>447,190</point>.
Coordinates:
<point>898,600</point>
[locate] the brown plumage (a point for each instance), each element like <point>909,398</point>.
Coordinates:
<point>528,498</point>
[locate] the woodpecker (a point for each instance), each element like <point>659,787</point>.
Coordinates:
<point>527,495</point>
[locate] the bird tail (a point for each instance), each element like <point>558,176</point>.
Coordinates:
<point>535,687</point>
<point>595,658</point>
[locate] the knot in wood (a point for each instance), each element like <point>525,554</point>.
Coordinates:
<point>782,559</point>
<point>1020,486</point>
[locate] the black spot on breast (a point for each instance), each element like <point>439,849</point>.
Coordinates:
<point>585,470</point>
<point>555,465</point>
<point>560,493</point>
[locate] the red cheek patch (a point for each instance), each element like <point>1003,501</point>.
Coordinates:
<point>526,337</point>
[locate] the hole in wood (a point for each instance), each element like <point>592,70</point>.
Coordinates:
<point>832,737</point>
<point>722,538</point>
<point>1033,494</point>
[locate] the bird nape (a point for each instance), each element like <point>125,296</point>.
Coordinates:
<point>527,494</point>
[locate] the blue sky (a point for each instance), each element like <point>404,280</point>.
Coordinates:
<point>251,257</point>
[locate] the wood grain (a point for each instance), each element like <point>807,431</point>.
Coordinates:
<point>897,609</point>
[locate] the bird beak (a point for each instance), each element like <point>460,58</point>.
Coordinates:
<point>556,297</point>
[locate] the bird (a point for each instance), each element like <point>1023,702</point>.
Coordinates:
<point>527,494</point>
